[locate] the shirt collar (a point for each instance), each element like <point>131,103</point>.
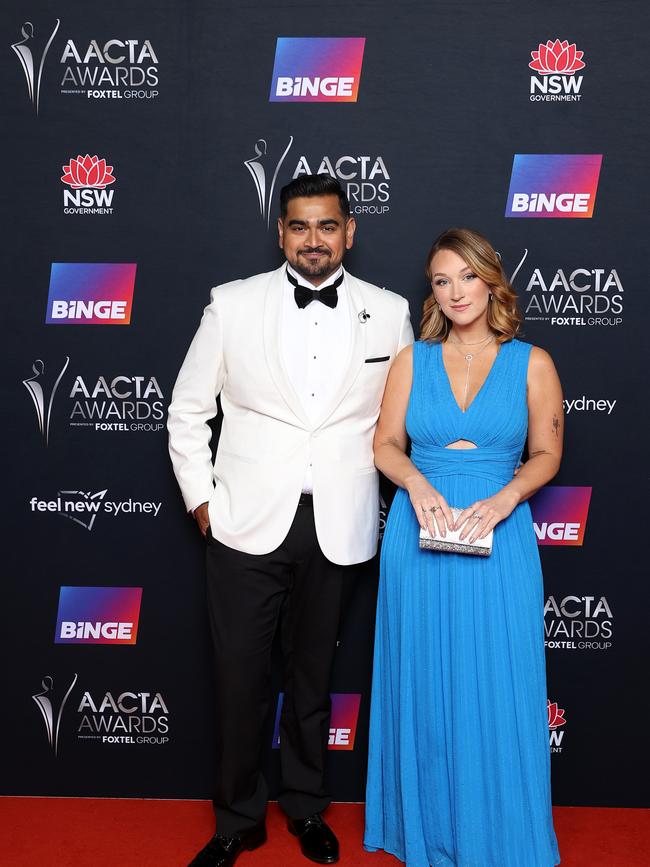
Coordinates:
<point>331,279</point>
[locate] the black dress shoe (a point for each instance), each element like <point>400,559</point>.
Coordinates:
<point>223,851</point>
<point>317,840</point>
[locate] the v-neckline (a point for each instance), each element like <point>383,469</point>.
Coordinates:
<point>483,384</point>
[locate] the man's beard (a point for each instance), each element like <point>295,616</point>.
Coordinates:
<point>323,268</point>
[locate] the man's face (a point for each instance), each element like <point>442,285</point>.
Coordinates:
<point>314,236</point>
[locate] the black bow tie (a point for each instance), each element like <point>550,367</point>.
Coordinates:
<point>304,295</point>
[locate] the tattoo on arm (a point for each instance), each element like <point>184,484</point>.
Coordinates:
<point>556,425</point>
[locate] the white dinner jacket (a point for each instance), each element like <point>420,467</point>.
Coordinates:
<point>267,440</point>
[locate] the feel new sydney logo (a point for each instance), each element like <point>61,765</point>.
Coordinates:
<point>83,507</point>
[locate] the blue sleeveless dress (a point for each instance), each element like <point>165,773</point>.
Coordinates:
<point>459,758</point>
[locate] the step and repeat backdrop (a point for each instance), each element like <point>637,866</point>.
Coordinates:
<point>145,146</point>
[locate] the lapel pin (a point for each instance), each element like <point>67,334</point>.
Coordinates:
<point>364,316</point>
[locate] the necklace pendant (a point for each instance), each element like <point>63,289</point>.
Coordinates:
<point>468,358</point>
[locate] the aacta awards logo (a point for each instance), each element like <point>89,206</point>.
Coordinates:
<point>553,185</point>
<point>343,721</point>
<point>555,721</point>
<point>317,69</point>
<point>83,293</point>
<point>126,718</point>
<point>87,177</point>
<point>114,69</point>
<point>556,63</point>
<point>94,69</point>
<point>264,168</point>
<point>42,392</point>
<point>578,623</point>
<point>364,178</point>
<point>560,514</point>
<point>32,50</point>
<point>51,708</point>
<point>98,615</point>
<point>570,296</point>
<point>101,403</point>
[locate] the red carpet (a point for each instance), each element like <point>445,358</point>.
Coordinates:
<point>67,832</point>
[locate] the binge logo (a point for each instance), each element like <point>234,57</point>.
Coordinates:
<point>90,294</point>
<point>98,615</point>
<point>343,722</point>
<point>317,69</point>
<point>553,185</point>
<point>560,514</point>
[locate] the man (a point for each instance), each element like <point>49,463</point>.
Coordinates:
<point>300,358</point>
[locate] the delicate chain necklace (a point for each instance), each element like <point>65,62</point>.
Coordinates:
<point>471,343</point>
<point>469,357</point>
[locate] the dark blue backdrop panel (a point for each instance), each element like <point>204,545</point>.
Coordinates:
<point>444,104</point>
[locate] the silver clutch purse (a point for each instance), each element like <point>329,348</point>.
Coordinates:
<point>452,543</point>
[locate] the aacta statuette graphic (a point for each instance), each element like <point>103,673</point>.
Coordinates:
<point>256,167</point>
<point>27,51</point>
<point>46,705</point>
<point>37,394</point>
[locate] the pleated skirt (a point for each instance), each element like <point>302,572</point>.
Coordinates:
<point>459,758</point>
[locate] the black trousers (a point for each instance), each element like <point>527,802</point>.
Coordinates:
<point>295,587</point>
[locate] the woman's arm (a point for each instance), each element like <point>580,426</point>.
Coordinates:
<point>390,445</point>
<point>545,434</point>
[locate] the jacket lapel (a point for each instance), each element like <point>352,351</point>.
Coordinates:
<point>272,348</point>
<point>358,331</point>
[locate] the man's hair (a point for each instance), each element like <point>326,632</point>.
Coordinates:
<point>313,185</point>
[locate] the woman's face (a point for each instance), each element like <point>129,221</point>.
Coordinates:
<point>461,294</point>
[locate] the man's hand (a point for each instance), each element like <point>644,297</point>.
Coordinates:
<point>202,518</point>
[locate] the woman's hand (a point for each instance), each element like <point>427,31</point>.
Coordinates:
<point>483,515</point>
<point>430,506</point>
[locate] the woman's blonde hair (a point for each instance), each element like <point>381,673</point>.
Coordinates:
<point>504,318</point>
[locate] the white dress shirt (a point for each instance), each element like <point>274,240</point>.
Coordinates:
<point>315,342</point>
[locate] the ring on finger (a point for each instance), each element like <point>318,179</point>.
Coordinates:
<point>477,516</point>
<point>434,509</point>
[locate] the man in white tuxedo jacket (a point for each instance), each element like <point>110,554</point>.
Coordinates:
<point>299,357</point>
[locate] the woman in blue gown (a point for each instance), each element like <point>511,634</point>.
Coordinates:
<point>459,764</point>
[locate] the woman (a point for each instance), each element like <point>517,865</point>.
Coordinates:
<point>459,756</point>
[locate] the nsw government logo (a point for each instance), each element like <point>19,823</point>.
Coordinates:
<point>98,615</point>
<point>556,63</point>
<point>343,721</point>
<point>555,722</point>
<point>553,185</point>
<point>83,293</point>
<point>560,514</point>
<point>87,178</point>
<point>317,69</point>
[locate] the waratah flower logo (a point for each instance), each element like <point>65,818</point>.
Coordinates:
<point>88,172</point>
<point>555,715</point>
<point>557,57</point>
